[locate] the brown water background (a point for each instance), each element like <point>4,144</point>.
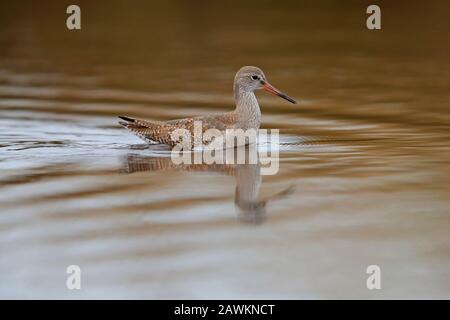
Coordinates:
<point>364,172</point>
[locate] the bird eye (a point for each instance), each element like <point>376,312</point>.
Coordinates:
<point>255,77</point>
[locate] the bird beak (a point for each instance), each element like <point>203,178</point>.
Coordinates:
<point>271,89</point>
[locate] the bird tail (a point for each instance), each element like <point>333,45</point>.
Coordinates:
<point>143,129</point>
<point>127,119</point>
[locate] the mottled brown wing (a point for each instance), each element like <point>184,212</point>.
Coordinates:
<point>156,131</point>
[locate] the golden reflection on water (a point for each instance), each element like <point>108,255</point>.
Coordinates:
<point>248,178</point>
<point>364,174</point>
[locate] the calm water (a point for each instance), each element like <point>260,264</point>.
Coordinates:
<point>364,172</point>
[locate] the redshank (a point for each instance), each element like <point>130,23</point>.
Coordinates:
<point>246,115</point>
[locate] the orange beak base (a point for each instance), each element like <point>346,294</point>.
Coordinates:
<point>271,89</point>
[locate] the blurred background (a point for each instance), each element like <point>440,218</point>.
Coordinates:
<point>364,172</point>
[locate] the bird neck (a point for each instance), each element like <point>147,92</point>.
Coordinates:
<point>247,109</point>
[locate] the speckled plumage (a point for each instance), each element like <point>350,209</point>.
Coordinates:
<point>246,115</point>
<point>160,132</point>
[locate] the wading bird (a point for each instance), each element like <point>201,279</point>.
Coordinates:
<point>246,115</point>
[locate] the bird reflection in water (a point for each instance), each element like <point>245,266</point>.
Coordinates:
<point>250,209</point>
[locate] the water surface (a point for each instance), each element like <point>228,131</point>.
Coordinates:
<point>364,171</point>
